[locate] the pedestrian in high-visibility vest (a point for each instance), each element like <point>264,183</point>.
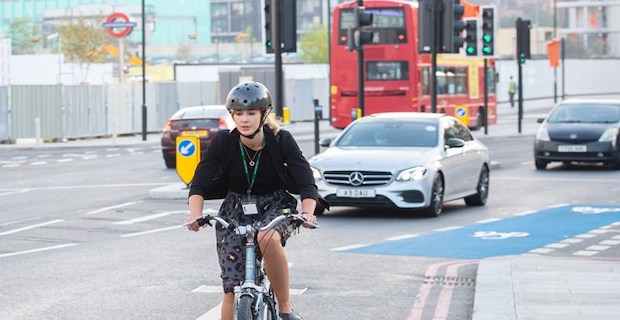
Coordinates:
<point>512,89</point>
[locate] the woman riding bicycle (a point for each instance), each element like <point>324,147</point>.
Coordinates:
<point>245,166</point>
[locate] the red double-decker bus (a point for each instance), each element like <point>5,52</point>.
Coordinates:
<point>396,76</point>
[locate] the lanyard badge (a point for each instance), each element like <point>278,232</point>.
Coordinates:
<point>249,204</point>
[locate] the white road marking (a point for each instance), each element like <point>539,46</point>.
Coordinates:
<point>8,193</point>
<point>150,217</point>
<point>402,237</point>
<point>585,235</point>
<point>113,155</point>
<point>38,163</point>
<point>488,220</point>
<point>610,242</point>
<point>450,228</point>
<point>151,231</point>
<point>572,240</point>
<point>557,245</point>
<point>345,248</point>
<point>64,160</point>
<point>585,253</point>
<point>597,248</point>
<point>112,207</point>
<point>38,250</point>
<point>10,165</point>
<point>34,226</point>
<point>542,250</point>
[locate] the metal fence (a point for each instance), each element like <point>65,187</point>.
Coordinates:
<point>79,111</point>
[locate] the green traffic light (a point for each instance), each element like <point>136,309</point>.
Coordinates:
<point>522,60</point>
<point>268,44</point>
<point>470,50</point>
<point>486,37</point>
<point>486,49</point>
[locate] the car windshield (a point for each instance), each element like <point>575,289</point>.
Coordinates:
<point>585,113</point>
<point>390,134</point>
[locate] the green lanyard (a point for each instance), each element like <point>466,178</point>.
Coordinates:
<point>245,166</point>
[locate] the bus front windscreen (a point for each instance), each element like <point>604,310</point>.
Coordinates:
<point>388,25</point>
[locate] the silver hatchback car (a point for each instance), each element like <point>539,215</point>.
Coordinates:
<point>403,160</point>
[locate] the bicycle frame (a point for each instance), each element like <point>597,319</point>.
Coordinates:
<point>256,286</point>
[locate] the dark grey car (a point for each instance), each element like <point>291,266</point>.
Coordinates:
<point>580,131</point>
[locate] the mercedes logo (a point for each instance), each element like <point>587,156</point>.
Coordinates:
<point>356,178</point>
<point>573,136</point>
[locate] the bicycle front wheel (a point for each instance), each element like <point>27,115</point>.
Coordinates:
<point>245,308</point>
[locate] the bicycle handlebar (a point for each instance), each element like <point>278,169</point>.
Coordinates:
<point>208,218</point>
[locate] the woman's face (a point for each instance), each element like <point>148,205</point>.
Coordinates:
<point>247,121</point>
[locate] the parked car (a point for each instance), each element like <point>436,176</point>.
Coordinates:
<point>201,121</point>
<point>579,131</point>
<point>403,160</point>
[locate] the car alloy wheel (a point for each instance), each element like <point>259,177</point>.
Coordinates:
<point>436,206</point>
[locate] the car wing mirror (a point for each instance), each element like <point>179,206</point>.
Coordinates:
<point>325,142</point>
<point>455,143</point>
<point>540,120</point>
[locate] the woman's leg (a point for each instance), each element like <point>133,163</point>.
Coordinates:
<point>276,266</point>
<point>227,306</point>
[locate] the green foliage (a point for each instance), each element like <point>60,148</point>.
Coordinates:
<point>83,42</point>
<point>314,46</point>
<point>25,37</point>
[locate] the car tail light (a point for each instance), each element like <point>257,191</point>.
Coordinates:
<point>222,124</point>
<point>168,126</point>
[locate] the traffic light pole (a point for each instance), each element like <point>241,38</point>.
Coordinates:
<point>360,67</point>
<point>485,118</point>
<point>277,51</point>
<point>434,46</point>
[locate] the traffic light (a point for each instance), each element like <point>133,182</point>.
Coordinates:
<point>488,30</point>
<point>523,39</point>
<point>358,36</point>
<point>425,28</point>
<point>471,37</point>
<point>362,20</point>
<point>268,32</point>
<point>287,26</point>
<point>453,25</point>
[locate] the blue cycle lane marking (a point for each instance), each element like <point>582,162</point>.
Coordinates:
<point>509,236</point>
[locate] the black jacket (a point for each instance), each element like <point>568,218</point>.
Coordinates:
<point>292,168</point>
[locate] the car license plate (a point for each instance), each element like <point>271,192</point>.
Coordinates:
<point>195,133</point>
<point>572,148</point>
<point>356,193</point>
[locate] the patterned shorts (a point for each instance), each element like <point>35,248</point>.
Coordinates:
<point>231,247</point>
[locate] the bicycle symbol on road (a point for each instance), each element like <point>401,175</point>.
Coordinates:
<point>592,210</point>
<point>494,235</point>
<point>186,148</point>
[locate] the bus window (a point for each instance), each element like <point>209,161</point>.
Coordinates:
<point>387,70</point>
<point>388,25</point>
<point>425,78</point>
<point>491,79</point>
<point>451,80</point>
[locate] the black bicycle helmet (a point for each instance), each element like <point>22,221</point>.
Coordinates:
<point>247,96</point>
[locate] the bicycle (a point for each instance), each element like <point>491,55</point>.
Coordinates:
<point>254,297</point>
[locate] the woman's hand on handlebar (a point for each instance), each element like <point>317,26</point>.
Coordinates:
<point>310,220</point>
<point>191,222</point>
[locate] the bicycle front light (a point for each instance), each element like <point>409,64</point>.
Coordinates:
<point>412,174</point>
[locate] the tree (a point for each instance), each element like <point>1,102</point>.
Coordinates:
<point>84,43</point>
<point>314,46</point>
<point>25,37</point>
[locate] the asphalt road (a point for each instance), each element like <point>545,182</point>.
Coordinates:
<point>80,239</point>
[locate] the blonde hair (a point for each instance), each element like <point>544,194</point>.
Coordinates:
<point>274,123</point>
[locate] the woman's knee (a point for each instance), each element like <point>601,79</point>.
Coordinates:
<point>269,239</point>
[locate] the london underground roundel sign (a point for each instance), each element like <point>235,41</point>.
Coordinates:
<point>118,25</point>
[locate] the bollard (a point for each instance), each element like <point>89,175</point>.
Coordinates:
<point>37,130</point>
<point>318,114</point>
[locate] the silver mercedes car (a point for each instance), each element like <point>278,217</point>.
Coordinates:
<point>403,160</point>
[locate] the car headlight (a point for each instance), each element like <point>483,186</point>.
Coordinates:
<point>316,173</point>
<point>543,134</point>
<point>609,135</point>
<point>415,173</point>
